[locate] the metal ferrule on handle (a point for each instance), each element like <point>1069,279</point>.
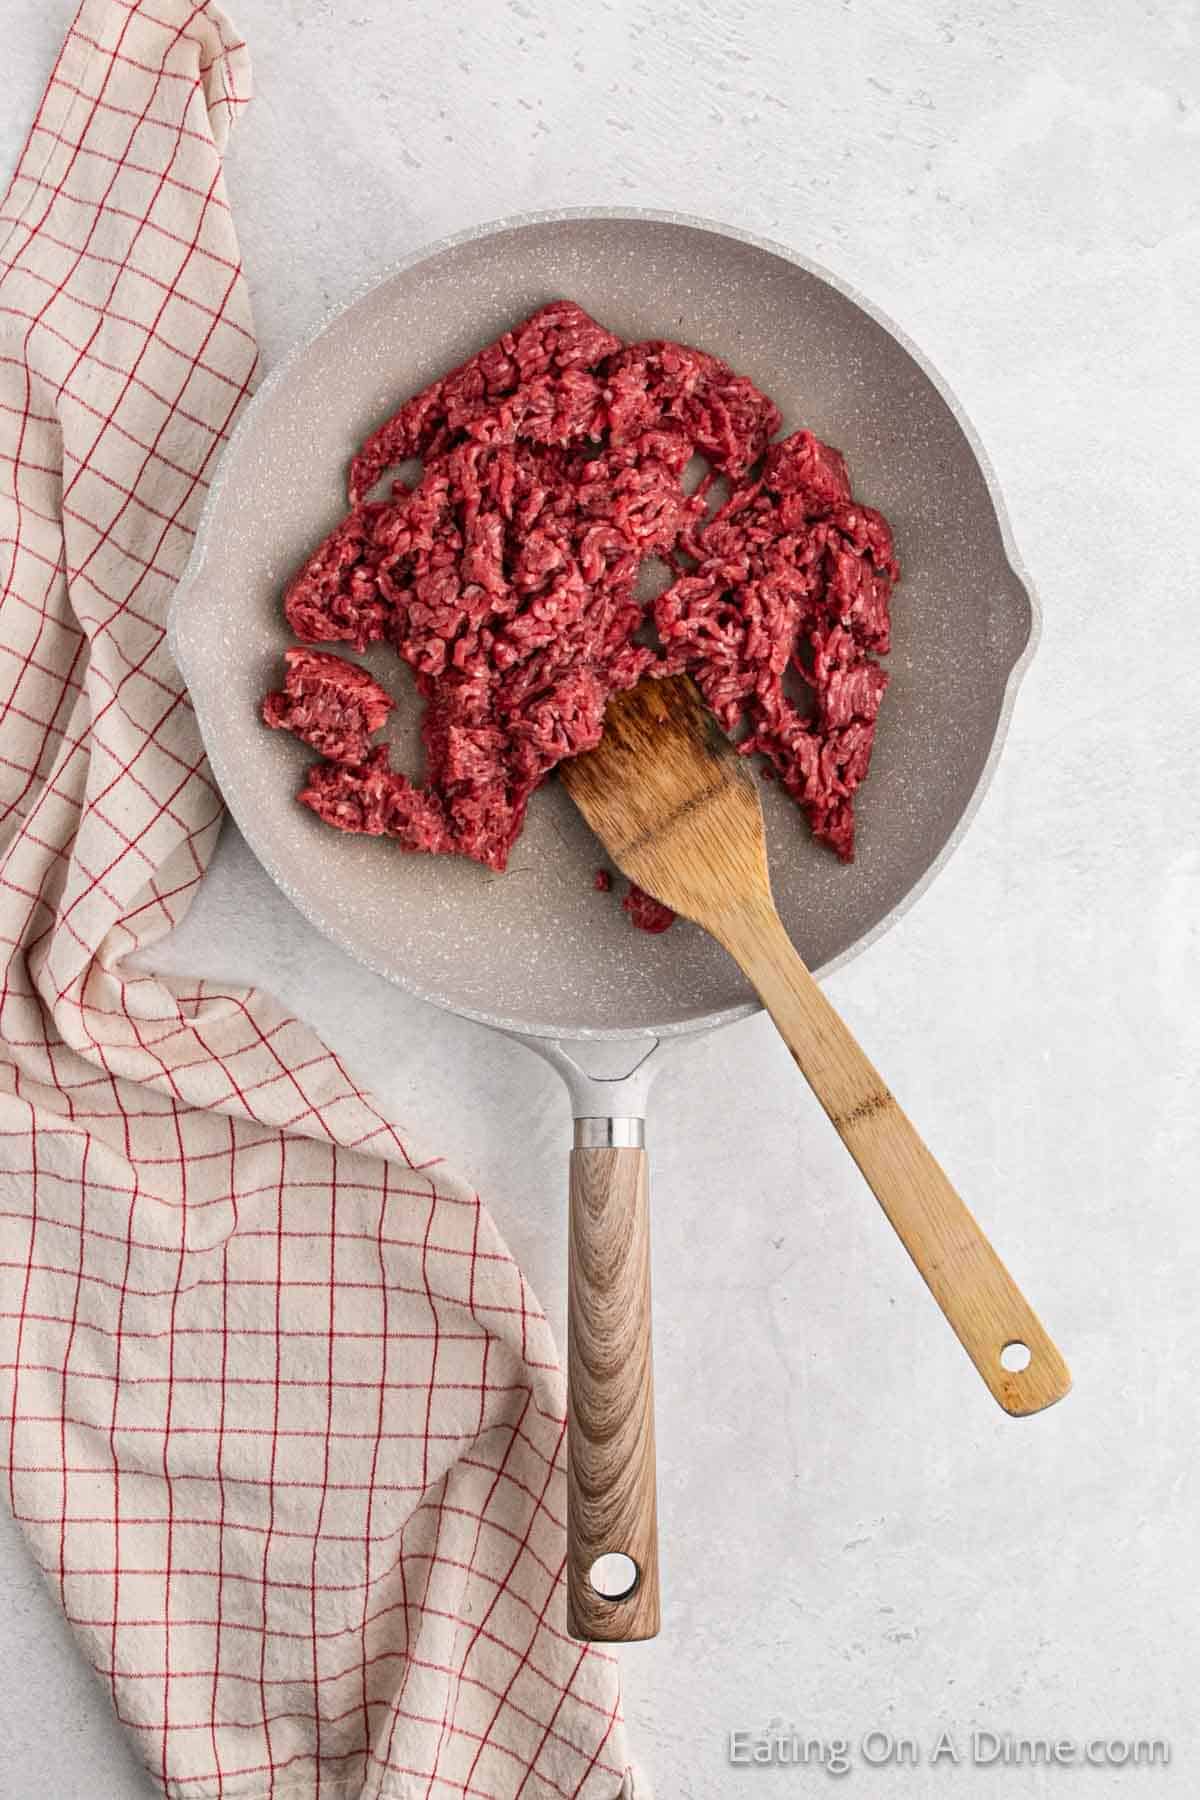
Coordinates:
<point>610,1134</point>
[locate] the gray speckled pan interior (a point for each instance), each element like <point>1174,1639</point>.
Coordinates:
<point>538,949</point>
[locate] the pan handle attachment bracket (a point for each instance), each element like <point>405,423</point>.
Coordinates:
<point>606,1078</point>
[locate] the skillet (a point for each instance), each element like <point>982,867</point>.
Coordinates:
<point>538,953</point>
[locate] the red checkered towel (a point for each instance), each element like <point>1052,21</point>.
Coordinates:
<point>285,1425</point>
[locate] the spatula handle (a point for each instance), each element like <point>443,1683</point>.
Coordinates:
<point>611,1504</point>
<point>966,1277</point>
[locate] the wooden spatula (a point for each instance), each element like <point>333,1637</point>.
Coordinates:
<point>678,811</point>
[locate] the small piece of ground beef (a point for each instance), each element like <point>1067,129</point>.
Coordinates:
<point>602,881</point>
<point>329,703</point>
<point>647,913</point>
<point>552,465</point>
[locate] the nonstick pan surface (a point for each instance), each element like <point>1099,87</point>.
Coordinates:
<point>537,950</point>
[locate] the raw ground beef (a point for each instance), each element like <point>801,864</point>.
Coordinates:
<point>552,465</point>
<point>333,705</point>
<point>647,913</point>
<point>643,910</point>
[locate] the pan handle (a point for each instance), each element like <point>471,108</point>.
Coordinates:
<point>612,1513</point>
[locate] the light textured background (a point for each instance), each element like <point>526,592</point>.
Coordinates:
<point>854,1536</point>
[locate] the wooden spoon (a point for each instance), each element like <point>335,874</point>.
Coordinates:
<point>678,811</point>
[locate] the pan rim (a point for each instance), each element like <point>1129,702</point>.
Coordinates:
<point>177,609</point>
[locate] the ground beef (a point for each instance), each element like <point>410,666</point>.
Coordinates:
<point>643,910</point>
<point>647,913</point>
<point>552,465</point>
<point>329,703</point>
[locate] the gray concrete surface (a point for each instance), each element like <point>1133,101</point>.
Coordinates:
<point>1017,184</point>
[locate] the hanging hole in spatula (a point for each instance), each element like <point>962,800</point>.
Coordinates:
<point>614,1575</point>
<point>1015,1356</point>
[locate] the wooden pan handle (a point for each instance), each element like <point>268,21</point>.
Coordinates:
<point>966,1277</point>
<point>611,1505</point>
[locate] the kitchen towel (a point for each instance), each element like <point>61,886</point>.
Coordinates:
<point>283,1424</point>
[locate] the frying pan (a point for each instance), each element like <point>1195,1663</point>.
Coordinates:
<point>538,953</point>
